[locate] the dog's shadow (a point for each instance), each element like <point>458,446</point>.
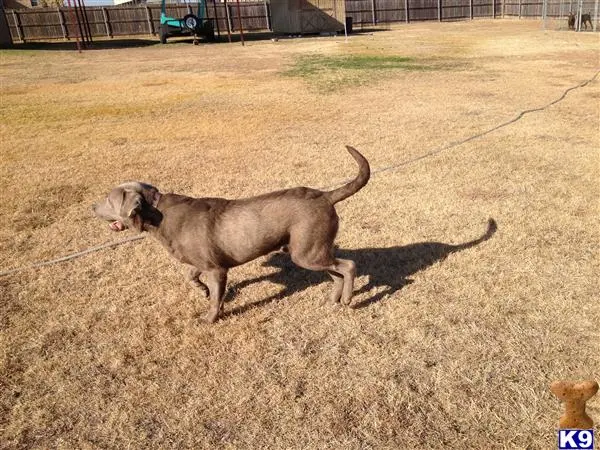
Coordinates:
<point>385,267</point>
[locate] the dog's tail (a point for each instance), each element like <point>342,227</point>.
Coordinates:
<point>491,230</point>
<point>364,172</point>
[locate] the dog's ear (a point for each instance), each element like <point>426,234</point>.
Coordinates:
<point>137,206</point>
<point>150,193</point>
<point>132,207</point>
<point>131,204</point>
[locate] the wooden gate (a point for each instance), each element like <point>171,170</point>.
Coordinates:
<point>307,16</point>
<point>317,16</point>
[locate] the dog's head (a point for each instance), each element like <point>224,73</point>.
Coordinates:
<point>129,205</point>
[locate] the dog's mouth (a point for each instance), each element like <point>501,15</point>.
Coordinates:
<point>117,226</point>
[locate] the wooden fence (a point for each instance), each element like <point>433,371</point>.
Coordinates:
<point>111,21</point>
<point>554,8</point>
<point>372,12</point>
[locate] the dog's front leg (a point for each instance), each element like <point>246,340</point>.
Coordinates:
<point>215,280</point>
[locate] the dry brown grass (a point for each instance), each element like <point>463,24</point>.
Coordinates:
<point>445,349</point>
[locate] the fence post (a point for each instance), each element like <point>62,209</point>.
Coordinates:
<point>519,9</point>
<point>149,17</point>
<point>471,9</point>
<point>267,15</point>
<point>439,10</point>
<point>106,22</point>
<point>18,26</point>
<point>374,12</point>
<point>494,9</point>
<point>407,10</point>
<point>61,20</point>
<point>595,15</point>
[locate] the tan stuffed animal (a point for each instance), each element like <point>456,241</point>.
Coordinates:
<point>574,395</point>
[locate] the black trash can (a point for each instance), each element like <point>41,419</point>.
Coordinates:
<point>349,24</point>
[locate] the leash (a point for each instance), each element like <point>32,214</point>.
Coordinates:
<point>373,172</point>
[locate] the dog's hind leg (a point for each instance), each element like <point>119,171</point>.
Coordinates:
<point>311,247</point>
<point>343,272</point>
<point>215,281</point>
<point>347,269</point>
<point>338,286</point>
<point>191,276</point>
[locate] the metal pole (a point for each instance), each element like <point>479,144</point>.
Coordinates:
<point>407,10</point>
<point>239,13</point>
<point>86,22</point>
<point>439,10</point>
<point>79,25</point>
<point>544,13</point>
<point>471,9</point>
<point>345,29</point>
<point>595,15</point>
<point>61,19</point>
<point>76,30</point>
<point>228,20</point>
<point>560,15</point>
<point>216,18</point>
<point>267,16</point>
<point>106,23</point>
<point>373,12</point>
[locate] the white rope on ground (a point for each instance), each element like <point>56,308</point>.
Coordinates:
<point>73,255</point>
<point>373,172</point>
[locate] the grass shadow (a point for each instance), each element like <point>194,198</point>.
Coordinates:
<point>386,267</point>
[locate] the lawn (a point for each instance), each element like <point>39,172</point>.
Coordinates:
<point>452,340</point>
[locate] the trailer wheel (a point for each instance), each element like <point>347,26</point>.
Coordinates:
<point>191,22</point>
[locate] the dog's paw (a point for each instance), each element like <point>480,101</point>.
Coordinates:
<point>346,301</point>
<point>210,317</point>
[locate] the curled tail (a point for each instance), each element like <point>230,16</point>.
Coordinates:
<point>364,172</point>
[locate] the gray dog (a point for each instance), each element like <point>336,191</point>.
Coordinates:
<point>211,235</point>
